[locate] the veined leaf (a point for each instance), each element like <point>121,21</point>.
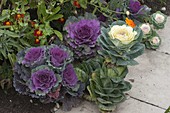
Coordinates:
<point>56,10</point>
<point>54,17</point>
<point>11,58</point>
<point>60,36</point>
<point>11,34</point>
<point>83,3</point>
<point>2,18</point>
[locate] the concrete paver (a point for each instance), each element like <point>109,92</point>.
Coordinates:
<point>151,78</point>
<point>165,35</point>
<point>134,106</point>
<point>129,106</point>
<point>151,82</point>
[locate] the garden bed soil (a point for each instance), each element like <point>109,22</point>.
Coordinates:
<point>157,6</point>
<point>12,102</point>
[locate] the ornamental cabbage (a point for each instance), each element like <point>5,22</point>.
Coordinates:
<point>121,43</point>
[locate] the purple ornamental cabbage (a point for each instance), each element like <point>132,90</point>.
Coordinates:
<point>69,76</point>
<point>55,94</point>
<point>21,76</point>
<point>82,37</point>
<point>43,80</point>
<point>58,56</point>
<point>33,55</point>
<point>134,6</point>
<point>102,18</point>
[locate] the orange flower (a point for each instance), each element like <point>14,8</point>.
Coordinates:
<point>38,33</point>
<point>37,41</point>
<point>32,23</point>
<point>130,22</point>
<point>61,20</point>
<point>18,16</point>
<point>7,23</point>
<point>76,3</point>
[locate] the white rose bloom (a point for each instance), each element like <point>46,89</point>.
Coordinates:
<point>123,33</point>
<point>159,18</point>
<point>155,40</point>
<point>145,28</point>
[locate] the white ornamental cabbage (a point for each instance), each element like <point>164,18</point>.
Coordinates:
<point>121,43</point>
<point>158,20</point>
<point>123,33</point>
<point>146,28</point>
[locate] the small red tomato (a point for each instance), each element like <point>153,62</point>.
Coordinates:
<point>76,3</point>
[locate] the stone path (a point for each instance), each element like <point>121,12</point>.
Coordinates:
<point>151,87</point>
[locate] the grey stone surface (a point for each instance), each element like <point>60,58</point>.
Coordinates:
<point>85,107</point>
<point>151,78</point>
<point>134,106</point>
<point>165,35</point>
<point>129,106</point>
<point>151,82</point>
<point>152,75</point>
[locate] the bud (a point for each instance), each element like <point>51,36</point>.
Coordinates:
<point>127,13</point>
<point>163,8</point>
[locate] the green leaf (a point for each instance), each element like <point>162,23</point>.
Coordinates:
<point>23,42</point>
<point>119,99</point>
<point>81,75</point>
<point>105,108</point>
<point>60,36</point>
<point>54,17</point>
<point>43,41</point>
<point>56,10</point>
<point>99,93</point>
<point>2,18</point>
<point>2,31</point>
<point>5,27</point>
<point>11,58</point>
<point>91,91</point>
<point>41,10</point>
<point>61,1</point>
<point>11,34</point>
<point>3,52</point>
<point>122,62</point>
<point>136,51</point>
<point>83,3</point>
<point>101,100</point>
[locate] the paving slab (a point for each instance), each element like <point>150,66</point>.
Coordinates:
<point>85,107</point>
<point>152,78</point>
<point>152,75</point>
<point>165,36</point>
<point>129,106</point>
<point>134,106</point>
<point>151,83</point>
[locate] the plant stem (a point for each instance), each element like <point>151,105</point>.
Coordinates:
<point>2,1</point>
<point>108,9</point>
